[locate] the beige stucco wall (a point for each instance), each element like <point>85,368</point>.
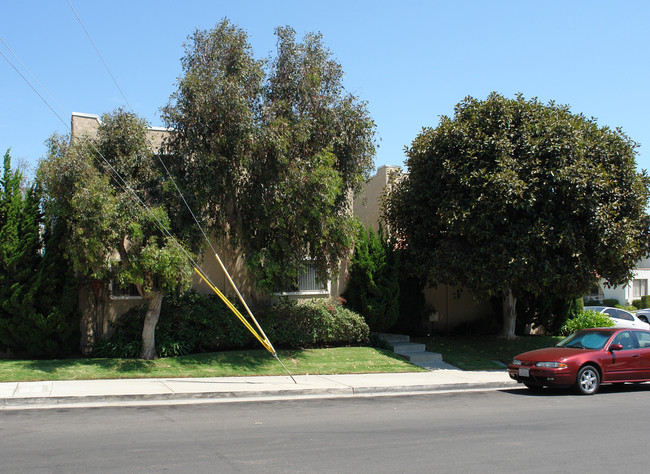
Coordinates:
<point>367,205</point>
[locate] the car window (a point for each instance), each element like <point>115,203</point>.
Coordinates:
<point>625,339</point>
<point>642,317</point>
<point>624,315</point>
<point>586,340</point>
<point>643,338</point>
<point>619,314</point>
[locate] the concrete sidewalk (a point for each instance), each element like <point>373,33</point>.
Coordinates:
<point>89,393</point>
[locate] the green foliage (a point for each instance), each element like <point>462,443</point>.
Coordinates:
<point>313,323</point>
<point>92,186</point>
<point>194,323</point>
<point>547,311</point>
<point>512,195</point>
<point>644,302</point>
<point>270,151</point>
<point>190,323</point>
<point>613,302</point>
<point>587,319</point>
<point>38,298</point>
<point>373,284</point>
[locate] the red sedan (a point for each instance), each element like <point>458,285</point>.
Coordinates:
<point>586,359</point>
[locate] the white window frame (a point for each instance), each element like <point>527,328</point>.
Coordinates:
<point>639,288</point>
<point>326,291</point>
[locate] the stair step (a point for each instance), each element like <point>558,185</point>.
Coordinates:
<point>407,347</point>
<point>421,356</point>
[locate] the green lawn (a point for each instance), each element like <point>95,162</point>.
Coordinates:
<point>480,352</point>
<point>339,360</point>
<point>467,353</point>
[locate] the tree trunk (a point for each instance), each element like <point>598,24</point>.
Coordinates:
<point>94,319</point>
<point>509,314</point>
<point>154,301</point>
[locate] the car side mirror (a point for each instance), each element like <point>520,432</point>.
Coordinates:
<point>615,347</point>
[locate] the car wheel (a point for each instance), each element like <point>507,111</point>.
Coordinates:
<point>588,380</point>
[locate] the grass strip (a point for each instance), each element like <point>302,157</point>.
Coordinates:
<point>338,360</point>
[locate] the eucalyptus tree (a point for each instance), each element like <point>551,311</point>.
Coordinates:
<point>512,197</point>
<point>270,150</point>
<point>111,193</point>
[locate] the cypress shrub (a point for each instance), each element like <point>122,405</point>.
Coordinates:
<point>373,286</point>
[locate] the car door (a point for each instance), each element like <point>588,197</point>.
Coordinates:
<point>624,364</point>
<point>643,338</point>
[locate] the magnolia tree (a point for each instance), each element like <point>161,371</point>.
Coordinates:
<point>270,151</point>
<point>512,197</point>
<point>110,192</point>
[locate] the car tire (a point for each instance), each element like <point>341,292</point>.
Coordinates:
<point>588,380</point>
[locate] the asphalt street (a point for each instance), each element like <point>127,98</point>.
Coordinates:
<point>507,430</point>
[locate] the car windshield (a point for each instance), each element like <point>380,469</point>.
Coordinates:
<point>586,340</point>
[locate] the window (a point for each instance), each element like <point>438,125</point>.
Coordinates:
<point>128,291</point>
<point>639,288</point>
<point>619,314</point>
<point>625,339</point>
<point>308,283</point>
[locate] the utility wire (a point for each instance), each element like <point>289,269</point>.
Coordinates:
<point>100,56</point>
<point>31,74</point>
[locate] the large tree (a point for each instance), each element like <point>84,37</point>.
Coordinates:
<point>512,197</point>
<point>270,151</point>
<point>111,193</point>
<point>38,297</point>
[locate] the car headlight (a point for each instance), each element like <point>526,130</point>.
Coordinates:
<point>553,365</point>
<point>516,362</point>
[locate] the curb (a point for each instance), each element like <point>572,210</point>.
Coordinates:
<point>241,396</point>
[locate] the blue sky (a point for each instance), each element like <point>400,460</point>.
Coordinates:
<point>411,61</point>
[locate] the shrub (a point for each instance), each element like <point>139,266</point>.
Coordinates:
<point>195,323</point>
<point>312,323</point>
<point>373,288</point>
<point>188,324</point>
<point>642,303</point>
<point>588,319</point>
<point>610,302</point>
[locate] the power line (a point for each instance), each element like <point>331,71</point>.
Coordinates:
<point>100,56</point>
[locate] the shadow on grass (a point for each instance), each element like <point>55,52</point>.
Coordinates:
<point>117,365</point>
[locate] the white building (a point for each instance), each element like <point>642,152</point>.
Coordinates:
<point>625,294</point>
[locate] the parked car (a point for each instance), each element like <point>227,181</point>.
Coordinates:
<point>586,359</point>
<point>621,318</point>
<point>644,315</point>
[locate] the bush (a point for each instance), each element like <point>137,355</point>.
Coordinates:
<point>610,302</point>
<point>188,324</point>
<point>588,319</point>
<point>645,301</point>
<point>195,323</point>
<point>373,287</point>
<point>313,323</point>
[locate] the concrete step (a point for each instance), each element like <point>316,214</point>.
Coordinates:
<point>421,356</point>
<point>407,347</point>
